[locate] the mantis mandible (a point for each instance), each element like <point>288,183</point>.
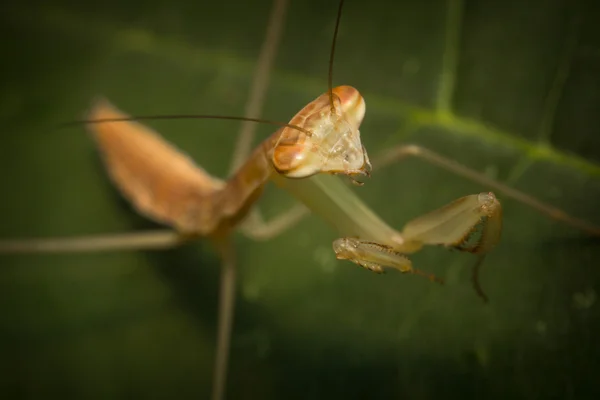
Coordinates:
<point>322,138</point>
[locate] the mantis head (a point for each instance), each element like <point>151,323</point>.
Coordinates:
<point>333,145</point>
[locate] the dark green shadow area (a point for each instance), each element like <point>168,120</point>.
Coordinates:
<point>142,324</point>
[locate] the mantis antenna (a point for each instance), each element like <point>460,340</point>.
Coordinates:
<point>227,117</point>
<point>331,55</point>
<point>184,116</point>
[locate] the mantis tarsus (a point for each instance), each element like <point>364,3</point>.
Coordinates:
<point>348,221</point>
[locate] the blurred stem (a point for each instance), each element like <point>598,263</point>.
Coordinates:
<point>254,105</point>
<point>450,58</point>
<point>260,83</point>
<point>226,311</point>
<point>560,79</point>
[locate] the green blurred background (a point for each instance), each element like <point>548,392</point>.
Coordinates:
<point>520,103</point>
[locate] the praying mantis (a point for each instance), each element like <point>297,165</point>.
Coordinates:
<point>389,159</point>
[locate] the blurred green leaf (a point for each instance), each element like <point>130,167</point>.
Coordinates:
<point>507,88</point>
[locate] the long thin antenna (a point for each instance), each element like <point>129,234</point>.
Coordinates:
<point>335,33</point>
<point>183,116</point>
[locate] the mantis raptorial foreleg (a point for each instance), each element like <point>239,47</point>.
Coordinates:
<point>472,224</point>
<point>374,256</point>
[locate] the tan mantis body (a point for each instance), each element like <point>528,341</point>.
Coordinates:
<point>168,187</point>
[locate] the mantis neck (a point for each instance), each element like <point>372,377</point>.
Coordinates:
<point>232,202</point>
<point>331,199</point>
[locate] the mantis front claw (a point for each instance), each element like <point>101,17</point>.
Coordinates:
<point>471,223</point>
<point>374,256</point>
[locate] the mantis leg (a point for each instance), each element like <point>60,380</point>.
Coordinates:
<point>471,223</point>
<point>402,152</point>
<point>375,256</point>
<point>149,240</point>
<point>256,228</point>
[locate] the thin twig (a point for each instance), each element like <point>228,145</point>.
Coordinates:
<point>254,106</point>
<point>454,14</point>
<point>226,312</point>
<point>260,83</point>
